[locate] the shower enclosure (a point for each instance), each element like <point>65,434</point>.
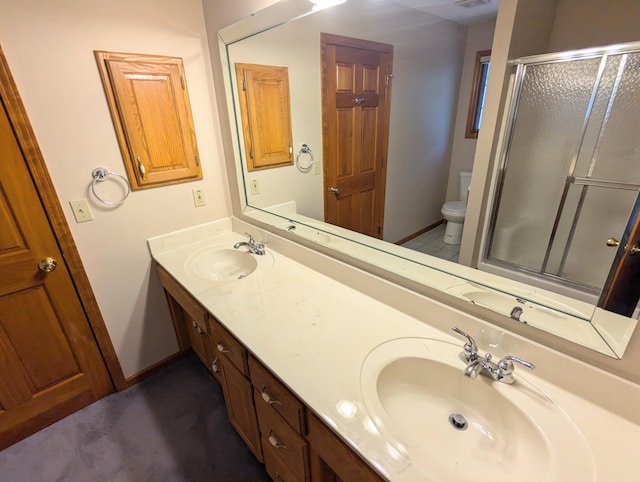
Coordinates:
<point>569,173</point>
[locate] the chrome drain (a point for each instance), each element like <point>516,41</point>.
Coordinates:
<point>458,421</point>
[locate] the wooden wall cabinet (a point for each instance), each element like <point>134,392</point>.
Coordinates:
<point>263,92</point>
<point>149,103</point>
<point>294,444</point>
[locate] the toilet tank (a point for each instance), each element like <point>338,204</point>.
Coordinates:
<point>465,182</point>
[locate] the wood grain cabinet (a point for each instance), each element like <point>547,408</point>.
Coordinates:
<point>331,459</point>
<point>190,320</point>
<point>230,361</point>
<point>294,444</point>
<point>281,418</point>
<point>263,92</point>
<point>149,103</point>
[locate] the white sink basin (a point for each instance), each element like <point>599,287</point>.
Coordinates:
<point>413,386</point>
<point>216,264</point>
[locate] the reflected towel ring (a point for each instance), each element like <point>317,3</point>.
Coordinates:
<point>304,149</point>
<point>101,174</point>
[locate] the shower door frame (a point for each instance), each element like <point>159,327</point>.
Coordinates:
<point>513,100</point>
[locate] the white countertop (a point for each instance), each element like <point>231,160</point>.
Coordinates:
<point>314,333</point>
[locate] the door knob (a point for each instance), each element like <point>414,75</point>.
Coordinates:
<point>47,265</point>
<point>614,242</point>
<point>334,190</point>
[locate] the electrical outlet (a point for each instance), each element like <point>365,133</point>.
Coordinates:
<point>316,168</point>
<point>255,186</point>
<point>81,210</point>
<point>198,197</point>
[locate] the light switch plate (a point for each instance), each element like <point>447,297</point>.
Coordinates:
<point>198,197</point>
<point>255,186</point>
<point>81,210</point>
<point>316,168</point>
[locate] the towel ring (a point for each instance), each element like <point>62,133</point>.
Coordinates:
<point>304,149</point>
<point>101,174</point>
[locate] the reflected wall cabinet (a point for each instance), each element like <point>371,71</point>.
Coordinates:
<point>149,104</point>
<point>263,92</point>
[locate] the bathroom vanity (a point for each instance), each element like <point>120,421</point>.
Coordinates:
<point>331,373</point>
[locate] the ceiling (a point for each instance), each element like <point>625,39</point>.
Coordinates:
<point>459,11</point>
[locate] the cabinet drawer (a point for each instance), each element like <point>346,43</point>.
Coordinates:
<point>223,343</point>
<point>282,443</point>
<point>271,392</point>
<point>188,304</point>
<point>276,469</point>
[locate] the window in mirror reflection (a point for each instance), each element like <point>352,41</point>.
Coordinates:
<point>478,93</point>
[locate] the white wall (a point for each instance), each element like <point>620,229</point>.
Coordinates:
<point>479,37</point>
<point>49,47</point>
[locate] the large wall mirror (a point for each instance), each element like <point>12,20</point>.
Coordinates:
<point>425,158</point>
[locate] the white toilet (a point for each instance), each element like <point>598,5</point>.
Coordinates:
<point>453,211</point>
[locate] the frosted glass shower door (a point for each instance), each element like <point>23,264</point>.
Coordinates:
<point>571,170</point>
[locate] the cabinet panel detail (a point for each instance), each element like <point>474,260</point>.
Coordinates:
<point>263,92</point>
<point>151,112</point>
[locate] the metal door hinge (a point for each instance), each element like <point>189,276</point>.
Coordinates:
<point>182,82</point>
<point>251,153</point>
<point>197,160</point>
<point>387,79</point>
<point>244,84</point>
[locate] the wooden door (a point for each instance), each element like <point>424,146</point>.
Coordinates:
<point>355,107</point>
<point>621,292</point>
<point>50,364</point>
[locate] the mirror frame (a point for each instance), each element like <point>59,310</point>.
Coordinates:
<point>290,10</point>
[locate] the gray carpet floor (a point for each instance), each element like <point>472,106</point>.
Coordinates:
<point>171,427</point>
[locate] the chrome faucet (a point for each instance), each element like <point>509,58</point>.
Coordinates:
<point>482,365</point>
<point>254,247</point>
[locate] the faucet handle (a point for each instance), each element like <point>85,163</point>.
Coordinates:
<point>504,373</point>
<point>506,363</point>
<point>251,240</point>
<point>470,348</point>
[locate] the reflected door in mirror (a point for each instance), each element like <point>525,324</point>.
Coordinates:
<point>355,105</point>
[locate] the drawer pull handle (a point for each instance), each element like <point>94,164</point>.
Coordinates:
<point>267,398</point>
<point>199,330</point>
<point>274,441</point>
<point>221,348</point>
<point>214,366</point>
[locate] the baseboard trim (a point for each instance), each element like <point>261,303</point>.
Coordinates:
<point>422,231</point>
<point>156,368</point>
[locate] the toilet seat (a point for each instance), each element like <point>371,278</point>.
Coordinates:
<point>454,208</point>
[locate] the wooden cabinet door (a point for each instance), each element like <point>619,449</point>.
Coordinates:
<point>263,93</point>
<point>50,364</point>
<point>151,111</point>
<point>331,460</point>
<point>355,109</point>
<point>238,396</point>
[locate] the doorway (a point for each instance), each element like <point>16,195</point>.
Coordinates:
<point>53,358</point>
<point>356,96</point>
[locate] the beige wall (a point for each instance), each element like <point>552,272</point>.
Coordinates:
<point>592,23</point>
<point>479,37</point>
<point>49,47</point>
